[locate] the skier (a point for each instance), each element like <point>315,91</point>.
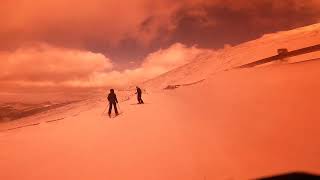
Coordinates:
<point>112,98</point>
<point>139,94</point>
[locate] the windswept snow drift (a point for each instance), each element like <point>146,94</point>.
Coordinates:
<point>237,124</point>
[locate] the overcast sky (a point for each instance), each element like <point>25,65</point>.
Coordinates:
<point>115,35</point>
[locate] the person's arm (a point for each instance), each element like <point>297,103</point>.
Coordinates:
<point>115,96</point>
<point>108,98</point>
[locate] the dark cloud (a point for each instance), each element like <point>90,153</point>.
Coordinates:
<point>130,30</point>
<point>233,22</point>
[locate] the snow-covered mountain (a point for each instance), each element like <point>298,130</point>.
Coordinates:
<point>231,57</point>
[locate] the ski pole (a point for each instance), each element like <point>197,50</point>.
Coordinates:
<point>118,107</point>
<point>104,111</point>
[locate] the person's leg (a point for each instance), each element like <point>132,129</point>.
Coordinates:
<point>115,108</point>
<point>110,109</point>
<point>138,98</point>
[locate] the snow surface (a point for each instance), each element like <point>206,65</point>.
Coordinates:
<point>237,124</point>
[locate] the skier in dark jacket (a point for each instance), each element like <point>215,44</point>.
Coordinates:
<point>112,98</point>
<point>139,95</point>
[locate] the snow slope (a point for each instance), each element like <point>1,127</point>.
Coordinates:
<point>231,57</point>
<point>237,124</point>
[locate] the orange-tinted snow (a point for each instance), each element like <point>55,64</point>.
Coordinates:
<point>237,124</point>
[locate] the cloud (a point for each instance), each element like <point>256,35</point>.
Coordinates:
<point>153,65</point>
<point>42,65</point>
<point>74,23</point>
<point>98,24</point>
<point>166,59</point>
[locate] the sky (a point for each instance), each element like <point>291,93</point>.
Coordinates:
<point>98,43</point>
